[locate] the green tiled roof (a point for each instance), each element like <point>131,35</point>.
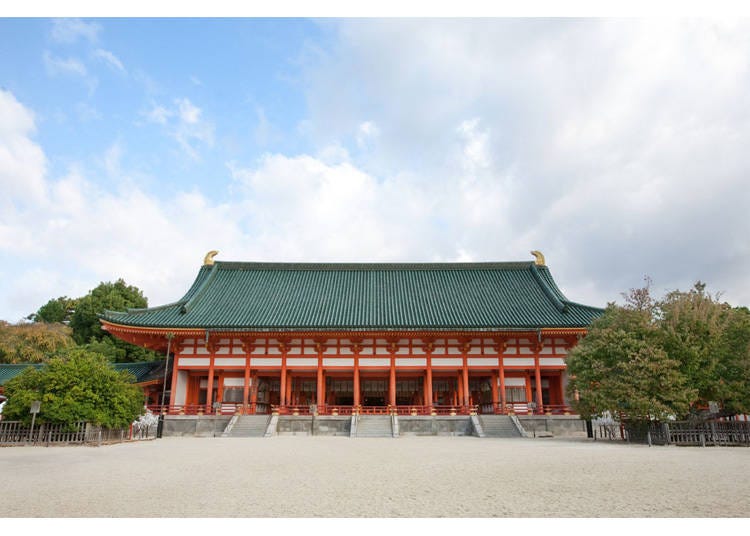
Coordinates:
<point>8,372</point>
<point>327,297</point>
<point>143,372</point>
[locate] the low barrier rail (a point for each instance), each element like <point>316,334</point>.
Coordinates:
<point>81,433</point>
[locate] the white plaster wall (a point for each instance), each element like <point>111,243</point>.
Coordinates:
<point>518,362</point>
<point>180,393</point>
<point>411,362</point>
<point>193,361</point>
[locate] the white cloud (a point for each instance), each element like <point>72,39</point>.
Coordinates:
<point>158,114</point>
<point>66,235</point>
<point>185,123</point>
<point>69,67</point>
<point>109,59</point>
<point>72,66</point>
<point>71,30</point>
<point>22,162</point>
<point>617,147</point>
<point>366,132</point>
<point>189,113</point>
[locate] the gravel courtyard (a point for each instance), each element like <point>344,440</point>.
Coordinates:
<point>407,477</point>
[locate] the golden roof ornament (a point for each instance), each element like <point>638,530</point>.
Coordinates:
<point>539,258</point>
<point>208,260</point>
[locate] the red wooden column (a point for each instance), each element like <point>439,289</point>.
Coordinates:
<point>175,369</point>
<point>246,385</point>
<point>356,347</point>
<point>254,392</point>
<point>428,377</point>
<point>321,396</point>
<point>392,382</point>
<point>210,386</point>
<point>493,385</point>
<point>538,379</point>
<point>503,399</point>
<point>282,383</point>
<point>460,389</point>
<point>465,374</point>
<point>528,386</point>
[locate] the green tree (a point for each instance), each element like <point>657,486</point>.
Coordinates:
<point>651,359</point>
<point>733,368</point>
<point>117,296</point>
<point>56,310</point>
<point>33,343</point>
<point>76,386</point>
<point>620,368</point>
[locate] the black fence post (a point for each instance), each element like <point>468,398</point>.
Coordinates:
<point>160,426</point>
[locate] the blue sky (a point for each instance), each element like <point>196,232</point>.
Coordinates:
<point>130,147</point>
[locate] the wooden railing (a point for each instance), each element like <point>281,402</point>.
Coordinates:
<point>203,409</point>
<point>15,433</point>
<point>522,408</point>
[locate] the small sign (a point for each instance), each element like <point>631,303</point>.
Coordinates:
<point>713,407</point>
<point>35,406</point>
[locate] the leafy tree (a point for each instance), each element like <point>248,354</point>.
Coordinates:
<point>56,310</point>
<point>117,296</point>
<point>651,359</point>
<point>733,368</point>
<point>77,386</point>
<point>620,368</point>
<point>33,343</point>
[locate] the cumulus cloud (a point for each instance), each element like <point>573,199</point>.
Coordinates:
<point>66,234</point>
<point>22,162</point>
<point>614,146</point>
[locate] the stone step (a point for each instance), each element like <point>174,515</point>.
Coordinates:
<point>249,426</point>
<point>498,426</point>
<point>374,426</point>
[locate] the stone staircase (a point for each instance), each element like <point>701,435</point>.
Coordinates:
<point>374,426</point>
<point>498,426</point>
<point>248,426</point>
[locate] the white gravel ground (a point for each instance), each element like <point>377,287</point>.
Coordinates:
<point>407,477</point>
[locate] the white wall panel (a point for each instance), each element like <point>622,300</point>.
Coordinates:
<point>302,362</point>
<point>411,362</point>
<point>193,362</point>
<point>518,362</point>
<point>229,361</point>
<point>265,361</point>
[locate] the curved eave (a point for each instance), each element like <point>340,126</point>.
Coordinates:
<point>164,332</point>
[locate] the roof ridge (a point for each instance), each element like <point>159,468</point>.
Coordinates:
<point>556,301</point>
<point>352,266</point>
<point>191,302</point>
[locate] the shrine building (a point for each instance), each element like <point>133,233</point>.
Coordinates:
<point>342,339</point>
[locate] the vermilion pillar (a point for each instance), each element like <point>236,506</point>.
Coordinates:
<point>493,386</point>
<point>538,378</point>
<point>465,374</point>
<point>254,392</point>
<point>210,386</point>
<point>503,400</point>
<point>320,390</point>
<point>428,383</point>
<point>246,387</point>
<point>392,383</point>
<point>356,380</point>
<point>460,389</point>
<point>282,383</point>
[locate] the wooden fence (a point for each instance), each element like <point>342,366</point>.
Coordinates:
<point>690,433</point>
<point>82,433</point>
